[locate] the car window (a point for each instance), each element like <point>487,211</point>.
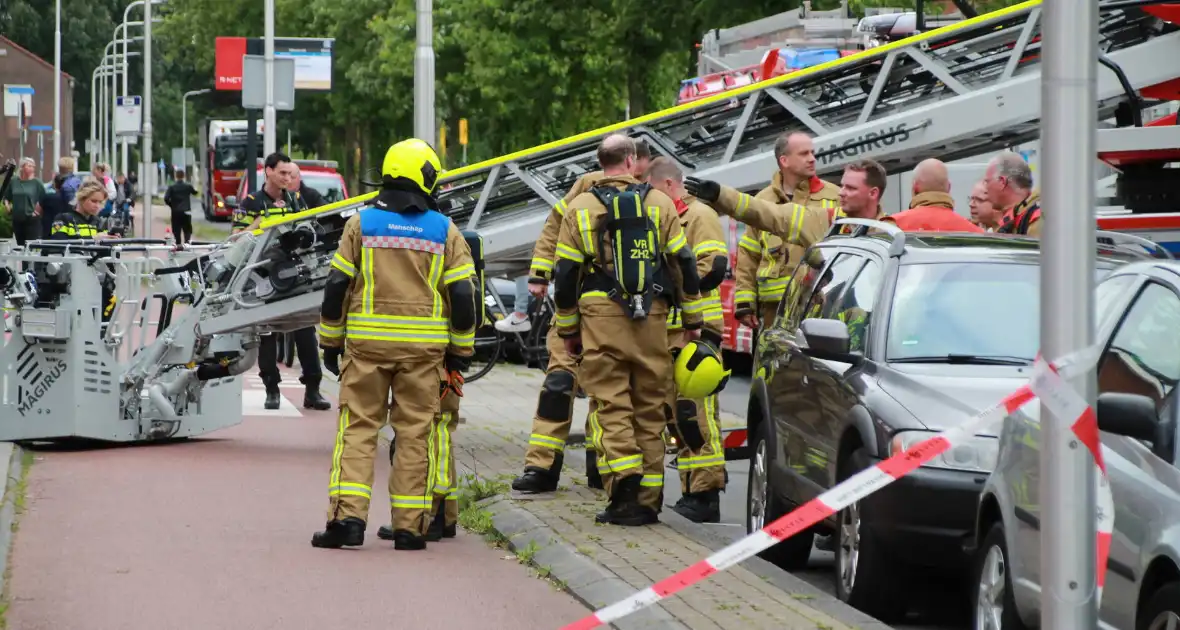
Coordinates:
<point>825,300</point>
<point>327,185</point>
<point>1144,355</point>
<point>1106,298</point>
<point>802,282</point>
<point>855,306</point>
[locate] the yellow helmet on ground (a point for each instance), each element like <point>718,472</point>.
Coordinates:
<point>699,371</point>
<point>414,160</point>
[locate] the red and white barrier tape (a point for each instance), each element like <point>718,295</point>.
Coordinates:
<point>1047,383</point>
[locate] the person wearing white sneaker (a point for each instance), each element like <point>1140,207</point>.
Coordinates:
<point>518,320</point>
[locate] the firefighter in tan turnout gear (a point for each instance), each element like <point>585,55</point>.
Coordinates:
<point>400,302</point>
<point>701,460</point>
<point>764,261</point>
<point>555,404</point>
<point>614,287</point>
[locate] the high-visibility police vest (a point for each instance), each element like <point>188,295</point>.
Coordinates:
<point>71,225</point>
<point>243,218</point>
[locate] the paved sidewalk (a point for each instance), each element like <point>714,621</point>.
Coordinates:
<point>600,564</point>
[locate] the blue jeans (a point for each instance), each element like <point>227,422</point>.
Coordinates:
<point>521,305</point>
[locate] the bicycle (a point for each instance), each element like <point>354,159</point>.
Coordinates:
<point>490,343</point>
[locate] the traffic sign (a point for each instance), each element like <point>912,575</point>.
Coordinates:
<point>128,115</point>
<point>463,131</point>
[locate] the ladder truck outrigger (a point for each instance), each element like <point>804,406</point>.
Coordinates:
<point>187,322</point>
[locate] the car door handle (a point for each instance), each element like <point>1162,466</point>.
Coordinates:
<point>805,380</point>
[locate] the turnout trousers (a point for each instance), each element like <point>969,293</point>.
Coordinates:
<point>625,370</point>
<point>445,483</point>
<point>555,409</point>
<point>365,385</point>
<point>701,460</point>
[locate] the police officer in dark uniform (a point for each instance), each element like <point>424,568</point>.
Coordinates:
<point>274,200</point>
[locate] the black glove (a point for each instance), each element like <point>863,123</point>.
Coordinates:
<point>332,360</point>
<point>704,189</point>
<point>455,363</point>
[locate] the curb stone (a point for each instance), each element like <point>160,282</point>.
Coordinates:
<point>714,538</point>
<point>11,454</point>
<point>586,580</point>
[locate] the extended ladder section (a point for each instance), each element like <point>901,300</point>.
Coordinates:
<point>960,91</point>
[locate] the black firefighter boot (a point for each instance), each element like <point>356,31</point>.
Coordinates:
<point>624,508</point>
<point>537,480</point>
<point>272,396</point>
<point>438,528</point>
<point>700,507</point>
<point>348,532</point>
<point>311,394</point>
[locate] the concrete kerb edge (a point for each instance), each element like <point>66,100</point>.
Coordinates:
<point>588,582</point>
<point>816,599</point>
<point>8,509</point>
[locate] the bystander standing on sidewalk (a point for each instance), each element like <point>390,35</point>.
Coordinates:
<point>23,200</point>
<point>179,199</point>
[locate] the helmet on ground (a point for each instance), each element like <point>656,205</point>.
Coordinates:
<point>699,371</point>
<point>416,161</point>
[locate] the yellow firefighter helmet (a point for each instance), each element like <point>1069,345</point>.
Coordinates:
<point>699,371</point>
<point>414,160</point>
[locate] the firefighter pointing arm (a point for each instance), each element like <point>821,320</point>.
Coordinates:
<point>400,302</point>
<point>795,224</point>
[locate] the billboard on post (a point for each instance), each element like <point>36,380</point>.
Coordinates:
<point>312,56</point>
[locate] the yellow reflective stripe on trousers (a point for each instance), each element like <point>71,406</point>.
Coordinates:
<point>410,502</point>
<point>351,489</point>
<point>338,449</point>
<point>595,428</point>
<point>545,441</point>
<point>619,464</point>
<point>343,265</point>
<point>442,483</point>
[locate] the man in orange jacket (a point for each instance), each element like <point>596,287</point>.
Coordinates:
<point>932,208</point>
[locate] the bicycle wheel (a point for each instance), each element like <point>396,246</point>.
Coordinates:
<point>488,343</point>
<point>536,340</point>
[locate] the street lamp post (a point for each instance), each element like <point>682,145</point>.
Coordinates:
<point>57,84</point>
<point>424,74</point>
<point>126,15</point>
<point>124,68</point>
<point>148,188</point>
<point>1069,92</point>
<point>269,132</point>
<point>100,71</point>
<point>184,125</point>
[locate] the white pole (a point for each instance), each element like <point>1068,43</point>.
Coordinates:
<point>57,84</point>
<point>126,67</point>
<point>1068,139</point>
<point>269,132</point>
<point>93,114</point>
<point>102,112</point>
<point>424,74</point>
<point>148,185</point>
<point>184,126</point>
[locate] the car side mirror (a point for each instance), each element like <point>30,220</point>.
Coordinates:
<point>1135,416</point>
<point>827,339</point>
<point>231,201</point>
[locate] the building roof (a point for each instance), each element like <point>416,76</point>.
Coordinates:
<point>8,42</point>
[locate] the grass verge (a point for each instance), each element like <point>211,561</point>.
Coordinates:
<point>18,494</point>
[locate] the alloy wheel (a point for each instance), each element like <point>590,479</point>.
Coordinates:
<point>1167,620</point>
<point>989,604</point>
<point>849,545</point>
<point>758,489</point>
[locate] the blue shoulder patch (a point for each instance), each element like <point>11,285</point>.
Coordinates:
<point>428,226</point>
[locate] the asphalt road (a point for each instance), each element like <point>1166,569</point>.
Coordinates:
<point>939,605</point>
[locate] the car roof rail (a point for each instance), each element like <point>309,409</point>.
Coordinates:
<point>896,247</point>
<point>1121,242</point>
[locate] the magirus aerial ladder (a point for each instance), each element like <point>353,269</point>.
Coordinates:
<point>960,91</point>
